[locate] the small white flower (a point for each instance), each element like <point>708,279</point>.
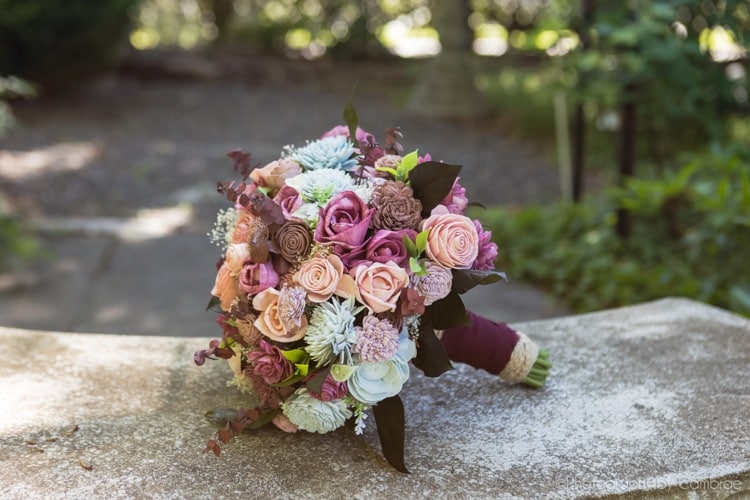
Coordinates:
<point>223,228</point>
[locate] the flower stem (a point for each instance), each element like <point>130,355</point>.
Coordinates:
<point>539,371</point>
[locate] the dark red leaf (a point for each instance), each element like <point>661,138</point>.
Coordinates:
<point>431,182</point>
<point>389,417</point>
<point>431,356</point>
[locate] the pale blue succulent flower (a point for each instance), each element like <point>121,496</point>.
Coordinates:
<point>330,333</point>
<point>329,152</point>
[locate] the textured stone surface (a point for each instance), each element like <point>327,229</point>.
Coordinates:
<point>648,400</point>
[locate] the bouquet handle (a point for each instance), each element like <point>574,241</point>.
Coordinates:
<point>498,349</point>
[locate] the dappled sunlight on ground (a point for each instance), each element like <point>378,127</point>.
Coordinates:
<point>58,157</point>
<point>146,224</point>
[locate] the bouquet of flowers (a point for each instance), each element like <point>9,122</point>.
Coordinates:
<point>340,262</point>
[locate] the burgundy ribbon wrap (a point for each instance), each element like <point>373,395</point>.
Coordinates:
<point>483,344</point>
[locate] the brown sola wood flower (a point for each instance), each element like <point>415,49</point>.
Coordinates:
<point>293,239</point>
<point>397,207</point>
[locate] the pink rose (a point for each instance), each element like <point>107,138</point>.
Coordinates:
<point>289,200</point>
<point>321,277</point>
<point>225,287</point>
<point>344,222</point>
<point>385,246</point>
<point>275,173</point>
<point>256,277</point>
<point>379,285</point>
<point>282,422</point>
<point>269,364</point>
<point>269,320</point>
<point>453,240</point>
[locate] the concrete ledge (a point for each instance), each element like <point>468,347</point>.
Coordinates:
<point>651,400</point>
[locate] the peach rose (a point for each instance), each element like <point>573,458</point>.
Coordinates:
<point>453,241</point>
<point>275,173</point>
<point>235,257</point>
<point>322,277</point>
<point>269,320</point>
<point>241,233</point>
<point>379,285</point>
<point>226,287</point>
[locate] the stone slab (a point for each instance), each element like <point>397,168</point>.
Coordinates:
<point>645,401</point>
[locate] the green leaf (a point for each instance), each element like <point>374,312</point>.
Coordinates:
<point>431,181</point>
<point>447,312</point>
<point>417,267</point>
<point>390,170</point>
<point>406,165</point>
<point>422,240</point>
<point>218,417</point>
<point>431,356</point>
<point>351,119</point>
<point>296,355</point>
<point>389,418</point>
<point>411,248</point>
<point>341,373</point>
<point>214,302</point>
<point>466,279</point>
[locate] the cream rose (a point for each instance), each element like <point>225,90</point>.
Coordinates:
<point>241,233</point>
<point>226,287</point>
<point>453,241</point>
<point>379,285</point>
<point>236,256</point>
<point>269,320</point>
<point>275,173</point>
<point>321,277</point>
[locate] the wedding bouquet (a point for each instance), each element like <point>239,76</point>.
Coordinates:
<point>340,262</point>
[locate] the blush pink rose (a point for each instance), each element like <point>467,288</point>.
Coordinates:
<point>269,320</point>
<point>289,200</point>
<point>226,287</point>
<point>452,241</point>
<point>344,222</point>
<point>321,277</point>
<point>379,285</point>
<point>275,173</point>
<point>256,277</point>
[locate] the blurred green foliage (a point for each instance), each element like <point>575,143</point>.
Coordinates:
<point>55,40</point>
<point>680,61</point>
<point>691,238</point>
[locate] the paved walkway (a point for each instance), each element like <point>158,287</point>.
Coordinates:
<point>119,176</point>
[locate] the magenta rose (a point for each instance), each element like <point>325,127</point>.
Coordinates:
<point>255,277</point>
<point>456,201</point>
<point>487,249</point>
<point>269,364</point>
<point>289,200</point>
<point>330,390</point>
<point>344,222</point>
<point>385,246</point>
<point>344,130</point>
